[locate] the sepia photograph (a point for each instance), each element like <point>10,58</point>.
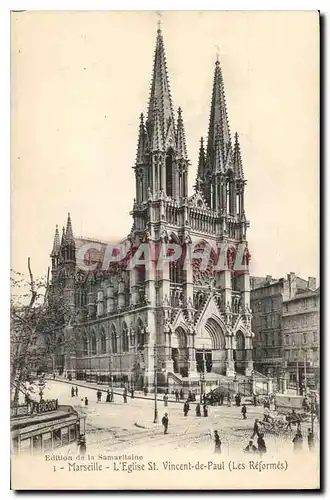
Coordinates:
<point>165,283</point>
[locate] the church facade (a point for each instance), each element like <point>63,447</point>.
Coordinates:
<point>135,323</point>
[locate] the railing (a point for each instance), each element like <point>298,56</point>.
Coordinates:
<point>202,222</point>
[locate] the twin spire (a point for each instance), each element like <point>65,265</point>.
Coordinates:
<point>159,132</point>
<point>67,238</point>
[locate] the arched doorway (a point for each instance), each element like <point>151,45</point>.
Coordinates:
<point>239,353</point>
<point>215,354</point>
<point>180,352</point>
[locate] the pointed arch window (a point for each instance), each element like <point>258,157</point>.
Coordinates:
<point>125,338</point>
<point>169,167</point>
<point>93,342</point>
<point>113,340</point>
<point>85,345</point>
<point>103,342</point>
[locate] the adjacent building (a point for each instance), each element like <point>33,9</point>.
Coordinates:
<point>285,310</point>
<point>301,339</point>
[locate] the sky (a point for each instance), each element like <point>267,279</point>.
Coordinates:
<point>79,81</point>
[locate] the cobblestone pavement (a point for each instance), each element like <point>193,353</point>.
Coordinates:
<point>118,427</point>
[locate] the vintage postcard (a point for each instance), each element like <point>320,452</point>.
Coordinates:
<point>165,250</point>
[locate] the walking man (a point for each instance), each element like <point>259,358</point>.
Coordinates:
<point>76,391</point>
<point>205,410</point>
<point>198,410</point>
<point>132,393</point>
<point>254,400</point>
<point>165,422</point>
<point>72,392</point>
<point>186,408</point>
<point>255,428</point>
<point>86,401</point>
<point>217,442</point>
<point>165,398</point>
<point>244,411</point>
<point>297,441</point>
<point>310,440</point>
<point>125,395</point>
<point>177,399</point>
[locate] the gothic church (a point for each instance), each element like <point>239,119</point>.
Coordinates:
<point>128,325</point>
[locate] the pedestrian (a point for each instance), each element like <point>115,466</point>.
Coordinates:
<point>255,428</point>
<point>132,393</point>
<point>222,397</point>
<point>250,448</point>
<point>76,391</point>
<point>310,440</point>
<point>198,410</point>
<point>205,410</point>
<point>228,400</point>
<point>297,441</point>
<point>108,397</point>
<point>145,391</point>
<point>54,376</point>
<point>244,411</point>
<point>165,422</point>
<point>99,396</point>
<point>189,396</point>
<point>165,398</point>
<point>204,398</point>
<point>86,401</point>
<point>72,392</point>
<point>111,396</point>
<point>125,395</point>
<point>82,445</point>
<point>254,400</point>
<point>217,442</point>
<point>186,408</point>
<point>181,394</point>
<point>177,398</point>
<point>261,444</point>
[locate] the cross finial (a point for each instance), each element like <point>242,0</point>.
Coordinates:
<point>217,52</point>
<point>159,14</point>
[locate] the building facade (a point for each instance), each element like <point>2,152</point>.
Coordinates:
<point>301,339</point>
<point>269,302</point>
<point>173,320</point>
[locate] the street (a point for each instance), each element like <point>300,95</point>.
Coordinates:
<point>118,427</point>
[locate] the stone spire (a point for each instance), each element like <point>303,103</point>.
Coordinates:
<point>141,142</point>
<point>160,99</point>
<point>238,165</point>
<point>201,165</point>
<point>56,244</point>
<point>181,148</point>
<point>69,233</point>
<point>63,237</point>
<point>218,125</point>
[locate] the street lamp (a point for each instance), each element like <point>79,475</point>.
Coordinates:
<point>156,385</point>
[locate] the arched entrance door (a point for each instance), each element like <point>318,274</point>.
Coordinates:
<point>212,355</point>
<point>239,353</point>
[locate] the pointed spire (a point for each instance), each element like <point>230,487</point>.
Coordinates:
<point>69,233</point>
<point>56,244</point>
<point>160,96</point>
<point>63,237</point>
<point>218,117</point>
<point>141,142</point>
<point>201,165</point>
<point>238,165</point>
<point>181,147</point>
